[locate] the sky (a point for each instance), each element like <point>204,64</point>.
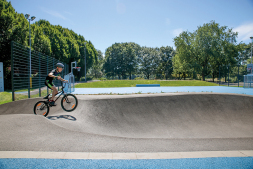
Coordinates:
<point>150,23</point>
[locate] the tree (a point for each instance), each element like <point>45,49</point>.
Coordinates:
<point>109,65</point>
<point>181,66</point>
<point>121,60</point>
<point>149,61</point>
<point>131,53</point>
<point>210,46</point>
<point>13,27</point>
<point>184,62</point>
<point>96,69</point>
<point>167,53</point>
<point>61,43</point>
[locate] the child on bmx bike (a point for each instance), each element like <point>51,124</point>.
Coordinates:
<point>55,73</point>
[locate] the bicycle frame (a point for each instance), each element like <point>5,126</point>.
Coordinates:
<point>60,93</point>
<point>65,101</point>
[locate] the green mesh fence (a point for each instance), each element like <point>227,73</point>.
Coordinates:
<point>30,80</point>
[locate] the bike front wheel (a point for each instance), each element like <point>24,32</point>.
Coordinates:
<point>41,108</point>
<point>69,102</point>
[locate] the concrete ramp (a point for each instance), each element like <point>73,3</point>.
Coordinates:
<point>163,122</point>
<point>171,116</point>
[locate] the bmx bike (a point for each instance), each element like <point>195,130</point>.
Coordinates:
<point>69,103</point>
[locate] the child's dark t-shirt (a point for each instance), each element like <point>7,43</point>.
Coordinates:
<point>55,73</point>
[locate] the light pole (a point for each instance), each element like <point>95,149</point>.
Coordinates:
<point>85,59</point>
<point>32,18</point>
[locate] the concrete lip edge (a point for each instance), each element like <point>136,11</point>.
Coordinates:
<point>118,156</point>
<point>95,97</point>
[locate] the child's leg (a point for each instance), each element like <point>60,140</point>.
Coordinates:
<point>55,91</point>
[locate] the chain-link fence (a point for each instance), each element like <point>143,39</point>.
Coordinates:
<point>29,74</point>
<point>223,75</point>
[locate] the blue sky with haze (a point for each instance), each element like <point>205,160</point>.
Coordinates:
<point>151,23</point>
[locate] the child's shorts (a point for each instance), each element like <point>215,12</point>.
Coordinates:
<point>49,84</point>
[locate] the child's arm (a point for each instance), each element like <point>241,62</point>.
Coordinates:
<point>51,75</point>
<point>63,80</point>
<point>58,77</point>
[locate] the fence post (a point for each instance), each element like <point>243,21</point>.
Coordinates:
<point>219,75</point>
<point>28,70</point>
<point>47,72</point>
<point>12,73</point>
<point>39,77</point>
<point>228,75</point>
<point>65,68</point>
<point>238,75</point>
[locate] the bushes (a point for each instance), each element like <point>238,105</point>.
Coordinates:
<point>82,79</point>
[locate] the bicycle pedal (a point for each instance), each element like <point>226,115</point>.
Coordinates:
<point>53,104</point>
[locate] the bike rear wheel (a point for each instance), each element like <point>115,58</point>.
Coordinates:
<point>41,108</point>
<point>69,102</point>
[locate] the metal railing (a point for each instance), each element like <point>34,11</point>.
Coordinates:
<point>71,83</point>
<point>248,81</point>
<point>228,75</point>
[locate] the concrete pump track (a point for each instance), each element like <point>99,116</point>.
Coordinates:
<point>167,122</point>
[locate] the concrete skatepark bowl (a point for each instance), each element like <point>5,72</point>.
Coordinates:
<point>127,123</point>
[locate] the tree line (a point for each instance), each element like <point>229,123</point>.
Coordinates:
<point>203,52</point>
<point>54,40</point>
<point>126,59</point>
<point>208,51</point>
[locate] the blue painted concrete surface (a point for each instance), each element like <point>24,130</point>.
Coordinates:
<point>207,163</point>
<point>148,85</point>
<point>190,89</point>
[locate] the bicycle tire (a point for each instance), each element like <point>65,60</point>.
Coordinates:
<point>41,108</point>
<point>69,102</point>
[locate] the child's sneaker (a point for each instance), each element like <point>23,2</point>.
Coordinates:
<point>52,103</point>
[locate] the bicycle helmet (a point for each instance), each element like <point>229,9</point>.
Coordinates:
<point>60,65</point>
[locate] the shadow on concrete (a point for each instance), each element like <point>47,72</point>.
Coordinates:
<point>67,117</point>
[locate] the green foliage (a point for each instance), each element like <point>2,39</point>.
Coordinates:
<point>126,59</point>
<point>206,49</point>
<point>61,43</point>
<point>121,59</point>
<point>96,70</point>
<point>11,28</point>
<point>149,60</point>
<point>166,68</point>
<point>66,45</point>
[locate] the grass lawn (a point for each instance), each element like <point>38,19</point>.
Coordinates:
<point>132,83</point>
<point>6,97</point>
